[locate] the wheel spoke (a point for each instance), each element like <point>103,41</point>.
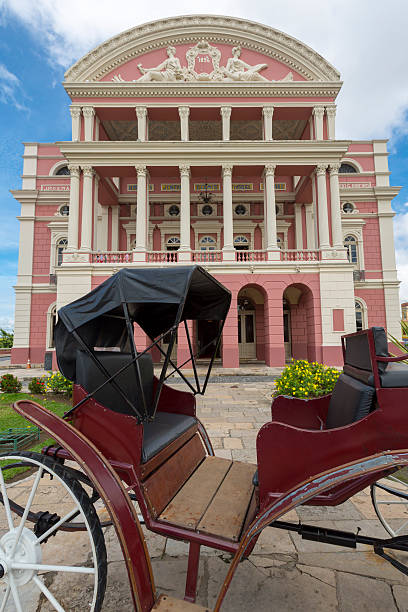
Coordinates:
<point>55,527</point>
<point>53,568</point>
<point>391,501</point>
<point>27,509</point>
<point>48,594</point>
<point>5,599</point>
<point>6,501</point>
<point>402,527</point>
<point>15,594</point>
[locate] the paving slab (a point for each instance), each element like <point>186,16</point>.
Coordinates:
<point>358,594</point>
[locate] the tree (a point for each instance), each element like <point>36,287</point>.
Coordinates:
<point>6,338</point>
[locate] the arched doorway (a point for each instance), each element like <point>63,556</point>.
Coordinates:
<point>251,332</point>
<point>299,322</point>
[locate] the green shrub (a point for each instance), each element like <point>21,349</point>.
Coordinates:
<point>57,383</point>
<point>10,383</point>
<point>304,379</point>
<point>38,385</point>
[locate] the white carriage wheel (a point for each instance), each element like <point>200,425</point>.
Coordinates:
<point>397,498</point>
<point>23,544</point>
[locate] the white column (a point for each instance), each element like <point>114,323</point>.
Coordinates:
<point>115,228</point>
<point>141,213</point>
<point>103,237</point>
<point>226,117</point>
<point>97,125</point>
<point>322,206</point>
<point>228,248</point>
<point>298,226</point>
<point>331,122</point>
<point>314,206</point>
<point>310,229</point>
<point>185,247</point>
<point>270,209</point>
<point>267,113</point>
<point>141,114</point>
<point>76,122</point>
<point>335,206</point>
<point>318,113</point>
<point>89,114</point>
<point>73,219</point>
<point>97,213</point>
<point>86,225</point>
<point>184,112</point>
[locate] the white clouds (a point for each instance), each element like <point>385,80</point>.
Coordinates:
<point>401,252</point>
<point>10,88</point>
<point>365,40</point>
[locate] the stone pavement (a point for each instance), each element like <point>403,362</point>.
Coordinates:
<point>284,572</point>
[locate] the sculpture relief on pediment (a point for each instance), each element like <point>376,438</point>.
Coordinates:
<point>203,64</point>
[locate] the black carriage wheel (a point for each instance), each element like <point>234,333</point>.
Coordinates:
<point>390,500</point>
<point>30,552</point>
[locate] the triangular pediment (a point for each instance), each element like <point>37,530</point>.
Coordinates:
<point>202,49</point>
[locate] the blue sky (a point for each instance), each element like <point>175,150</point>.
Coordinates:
<point>365,40</point>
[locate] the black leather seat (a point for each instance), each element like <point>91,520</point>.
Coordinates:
<point>351,401</point>
<point>157,434</point>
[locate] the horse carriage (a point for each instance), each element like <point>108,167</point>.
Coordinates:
<point>132,449</point>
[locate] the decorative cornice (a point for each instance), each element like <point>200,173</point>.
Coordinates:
<point>190,29</point>
<point>107,89</point>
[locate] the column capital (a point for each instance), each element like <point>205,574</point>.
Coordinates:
<point>270,169</point>
<point>334,168</point>
<point>184,111</point>
<point>321,169</point>
<point>141,170</point>
<point>227,169</point>
<point>267,111</point>
<point>184,170</point>
<point>74,170</point>
<point>75,111</point>
<point>225,112</point>
<point>88,111</point>
<point>88,171</point>
<point>141,112</point>
<point>331,111</point>
<point>318,110</point>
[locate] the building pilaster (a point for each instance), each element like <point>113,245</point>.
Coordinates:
<point>185,248</point>
<point>115,228</point>
<point>89,114</point>
<point>335,206</point>
<point>86,222</point>
<point>318,114</point>
<point>298,226</point>
<point>270,209</point>
<point>141,114</point>
<point>267,113</point>
<point>226,122</point>
<point>141,214</point>
<point>228,248</point>
<point>331,122</point>
<point>310,229</point>
<point>322,206</point>
<point>76,122</point>
<point>73,219</point>
<point>184,113</point>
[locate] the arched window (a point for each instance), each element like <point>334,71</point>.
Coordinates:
<point>350,243</point>
<point>173,244</point>
<point>347,169</point>
<point>207,243</point>
<point>360,315</point>
<point>63,171</point>
<point>61,247</point>
<point>241,243</point>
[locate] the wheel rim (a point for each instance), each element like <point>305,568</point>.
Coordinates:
<point>39,558</point>
<point>391,505</point>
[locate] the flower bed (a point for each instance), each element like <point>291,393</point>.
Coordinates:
<point>304,379</point>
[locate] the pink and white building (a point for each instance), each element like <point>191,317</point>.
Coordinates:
<point>211,140</point>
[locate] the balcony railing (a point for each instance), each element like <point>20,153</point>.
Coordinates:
<point>162,257</point>
<point>206,256</point>
<point>112,257</point>
<point>251,256</point>
<point>302,255</point>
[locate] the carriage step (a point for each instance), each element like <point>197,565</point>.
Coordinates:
<point>169,604</point>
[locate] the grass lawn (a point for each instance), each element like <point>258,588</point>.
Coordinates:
<point>9,418</point>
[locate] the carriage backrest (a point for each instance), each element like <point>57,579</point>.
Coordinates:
<point>90,378</point>
<point>351,401</point>
<point>357,350</point>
